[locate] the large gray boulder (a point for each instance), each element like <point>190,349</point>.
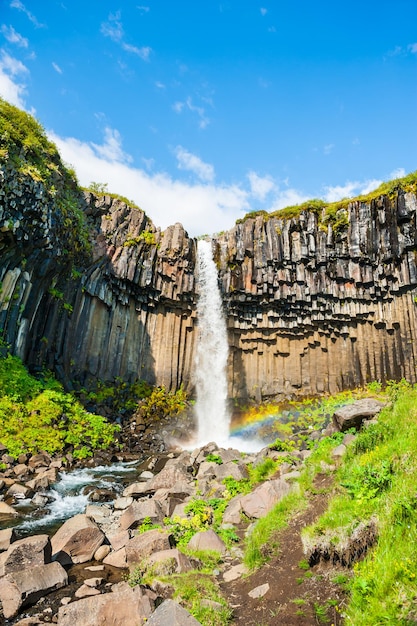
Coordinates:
<point>26,553</point>
<point>137,512</point>
<point>258,503</point>
<point>124,606</point>
<point>76,541</point>
<point>25,587</point>
<point>207,540</point>
<point>353,415</point>
<point>143,545</point>
<point>170,613</point>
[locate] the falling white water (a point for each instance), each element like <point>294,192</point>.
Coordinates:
<point>211,356</point>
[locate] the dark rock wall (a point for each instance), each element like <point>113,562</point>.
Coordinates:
<point>310,308</point>
<point>313,310</point>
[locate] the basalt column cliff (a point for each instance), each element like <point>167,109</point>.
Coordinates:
<point>91,289</point>
<point>314,308</point>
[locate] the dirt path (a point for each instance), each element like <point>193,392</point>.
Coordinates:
<point>296,596</point>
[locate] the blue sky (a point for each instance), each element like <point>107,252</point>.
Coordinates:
<point>202,110</point>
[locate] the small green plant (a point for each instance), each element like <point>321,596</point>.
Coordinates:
<point>214,458</point>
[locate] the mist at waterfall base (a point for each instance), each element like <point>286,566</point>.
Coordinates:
<point>211,407</point>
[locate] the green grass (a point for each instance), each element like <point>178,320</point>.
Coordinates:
<point>335,212</point>
<point>378,478</point>
<point>38,415</point>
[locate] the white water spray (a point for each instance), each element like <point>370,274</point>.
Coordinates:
<point>211,356</point>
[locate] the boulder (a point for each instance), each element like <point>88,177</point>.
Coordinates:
<point>116,559</point>
<point>25,587</point>
<point>352,415</point>
<point>6,511</point>
<point>124,606</point>
<point>233,511</point>
<point>143,545</point>
<point>207,540</point>
<point>137,512</point>
<point>120,539</point>
<point>7,536</point>
<point>168,562</point>
<point>43,479</point>
<point>170,613</point>
<point>26,553</point>
<point>77,540</point>
<point>258,503</point>
<point>168,477</point>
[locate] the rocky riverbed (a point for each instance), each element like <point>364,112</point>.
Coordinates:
<point>77,573</point>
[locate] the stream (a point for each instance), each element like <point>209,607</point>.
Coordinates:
<point>68,496</point>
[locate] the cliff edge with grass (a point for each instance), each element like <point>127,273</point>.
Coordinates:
<point>318,298</point>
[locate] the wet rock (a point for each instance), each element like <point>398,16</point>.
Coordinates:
<point>7,511</point>
<point>76,541</point>
<point>26,586</point>
<point>43,479</point>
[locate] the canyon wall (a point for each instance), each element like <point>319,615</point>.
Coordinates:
<point>314,308</point>
<point>311,308</point>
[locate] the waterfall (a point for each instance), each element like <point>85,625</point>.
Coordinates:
<point>211,355</point>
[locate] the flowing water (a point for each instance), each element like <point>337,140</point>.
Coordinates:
<point>211,408</point>
<point>67,496</point>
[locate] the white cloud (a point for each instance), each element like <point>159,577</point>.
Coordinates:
<point>143,9</point>
<point>350,189</point>
<point>113,29</point>
<point>327,149</point>
<point>260,186</point>
<point>111,149</point>
<point>368,186</point>
<point>193,163</point>
<point>203,120</point>
<point>14,37</point>
<point>398,173</point>
<point>201,208</point>
<point>159,85</point>
<point>56,68</point>
<point>143,52</point>
<point>12,88</point>
<point>17,4</point>
<point>263,11</point>
<point>412,47</point>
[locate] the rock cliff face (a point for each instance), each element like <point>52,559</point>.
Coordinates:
<point>309,310</point>
<point>313,310</point>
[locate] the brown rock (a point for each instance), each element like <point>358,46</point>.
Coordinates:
<point>145,544</point>
<point>101,552</point>
<point>122,607</point>
<point>170,613</point>
<point>77,540</point>
<point>7,511</point>
<point>85,590</point>
<point>137,512</point>
<point>43,479</point>
<point>352,415</point>
<point>7,536</point>
<point>117,559</point>
<point>27,586</point>
<point>168,562</point>
<point>26,553</point>
<point>207,540</point>
<point>263,498</point>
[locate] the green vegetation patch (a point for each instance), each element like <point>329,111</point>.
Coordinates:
<point>378,486</point>
<point>335,213</point>
<point>38,415</point>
